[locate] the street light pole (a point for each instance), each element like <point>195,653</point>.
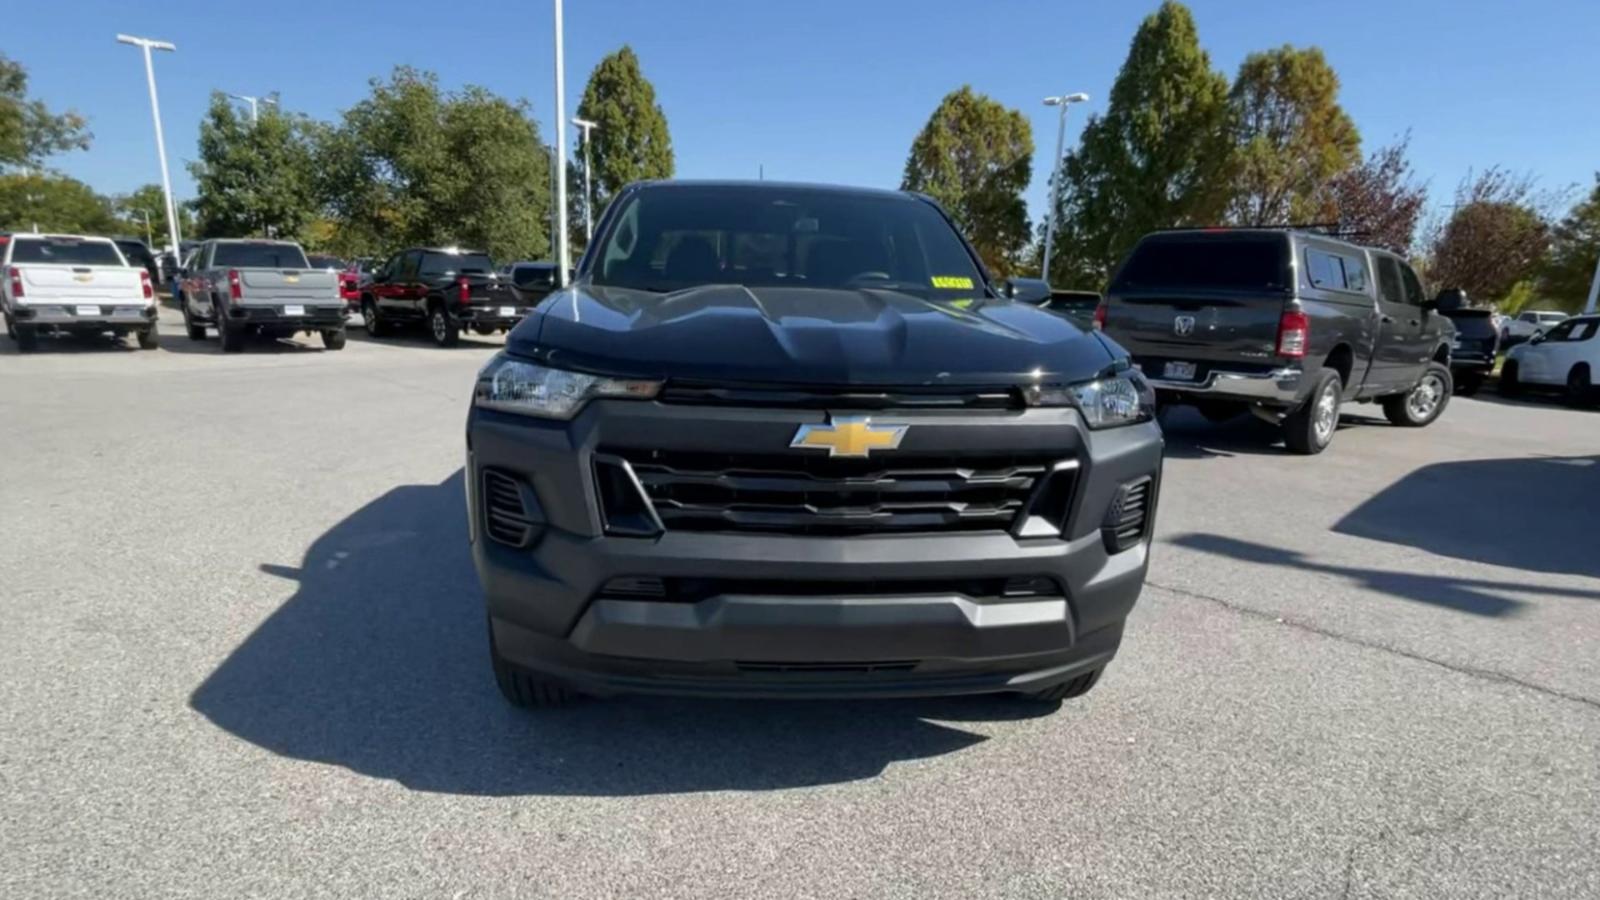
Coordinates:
<point>588,192</point>
<point>1594,290</point>
<point>1055,174</point>
<point>246,98</point>
<point>149,238</point>
<point>146,44</point>
<point>563,258</point>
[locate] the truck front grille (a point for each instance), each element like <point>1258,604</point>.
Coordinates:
<point>804,494</point>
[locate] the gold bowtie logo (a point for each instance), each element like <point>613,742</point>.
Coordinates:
<point>849,436</point>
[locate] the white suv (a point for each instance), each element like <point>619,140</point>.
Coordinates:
<point>1566,356</point>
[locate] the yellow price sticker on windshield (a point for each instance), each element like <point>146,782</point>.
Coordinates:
<point>952,282</point>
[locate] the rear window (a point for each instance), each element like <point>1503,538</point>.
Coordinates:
<point>1473,323</point>
<point>65,252</point>
<point>528,277</point>
<point>259,256</point>
<point>436,264</point>
<point>1231,263</point>
<point>325,262</point>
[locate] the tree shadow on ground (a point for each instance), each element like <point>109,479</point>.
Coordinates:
<point>1534,513</point>
<point>1477,596</point>
<point>379,663</point>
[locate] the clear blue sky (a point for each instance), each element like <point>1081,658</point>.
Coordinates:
<point>825,90</point>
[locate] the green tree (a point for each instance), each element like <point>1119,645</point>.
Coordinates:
<point>975,156</point>
<point>253,178</point>
<point>1574,250</point>
<point>1160,157</point>
<point>1496,237</point>
<point>152,201</point>
<point>631,140</point>
<point>53,203</point>
<point>412,164</point>
<point>1293,137</point>
<point>29,131</point>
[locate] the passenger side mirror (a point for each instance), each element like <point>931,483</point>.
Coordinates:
<point>1449,300</point>
<point>1026,290</point>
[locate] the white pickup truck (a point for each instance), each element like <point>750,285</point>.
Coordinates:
<point>71,284</point>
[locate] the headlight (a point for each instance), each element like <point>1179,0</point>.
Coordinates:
<point>1122,399</point>
<point>529,389</point>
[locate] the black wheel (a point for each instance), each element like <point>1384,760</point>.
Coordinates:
<point>1468,383</point>
<point>524,689</point>
<point>1422,404</point>
<point>195,330</point>
<point>485,330</point>
<point>333,338</point>
<point>1309,429</point>
<point>445,330</point>
<point>27,338</point>
<point>232,335</point>
<point>1580,388</point>
<point>149,338</point>
<point>1510,384</point>
<point>1066,690</point>
<point>375,325</point>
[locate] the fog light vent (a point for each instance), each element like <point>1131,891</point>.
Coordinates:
<point>1129,515</point>
<point>505,516</point>
<point>635,588</point>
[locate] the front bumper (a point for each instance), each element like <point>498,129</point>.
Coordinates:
<point>801,615</point>
<point>86,317</point>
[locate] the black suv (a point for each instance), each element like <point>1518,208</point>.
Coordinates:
<point>792,440</point>
<point>1477,343</point>
<point>1287,324</point>
<point>445,288</point>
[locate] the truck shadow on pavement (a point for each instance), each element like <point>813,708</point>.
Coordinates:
<point>379,664</point>
<point>1535,513</point>
<point>1477,596</point>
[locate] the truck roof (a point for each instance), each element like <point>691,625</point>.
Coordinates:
<point>1222,231</point>
<point>773,185</point>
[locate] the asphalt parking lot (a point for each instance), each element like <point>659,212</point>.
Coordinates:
<point>243,655</point>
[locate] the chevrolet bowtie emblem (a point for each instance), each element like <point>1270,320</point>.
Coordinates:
<point>848,436</point>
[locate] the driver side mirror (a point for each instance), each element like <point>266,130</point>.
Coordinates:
<point>1026,290</point>
<point>1449,300</point>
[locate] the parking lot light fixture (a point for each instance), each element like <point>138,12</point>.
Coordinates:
<point>588,192</point>
<point>1063,102</point>
<point>148,44</point>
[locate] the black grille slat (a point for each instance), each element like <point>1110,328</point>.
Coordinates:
<point>505,517</point>
<point>815,494</point>
<point>854,397</point>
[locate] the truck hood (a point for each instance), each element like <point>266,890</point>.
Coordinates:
<point>731,333</point>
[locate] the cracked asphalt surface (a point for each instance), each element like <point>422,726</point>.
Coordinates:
<point>242,654</point>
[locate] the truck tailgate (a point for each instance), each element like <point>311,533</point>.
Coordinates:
<point>80,284</point>
<point>1196,326</point>
<point>277,287</point>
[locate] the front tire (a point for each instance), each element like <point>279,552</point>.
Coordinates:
<point>375,325</point>
<point>1418,407</point>
<point>445,330</point>
<point>149,338</point>
<point>1309,429</point>
<point>1580,387</point>
<point>1066,690</point>
<point>1510,383</point>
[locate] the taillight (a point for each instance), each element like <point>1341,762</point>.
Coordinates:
<point>1294,334</point>
<point>235,287</point>
<point>16,282</point>
<point>465,287</point>
<point>145,286</point>
<point>1100,316</point>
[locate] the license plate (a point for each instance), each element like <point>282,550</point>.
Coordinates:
<point>1178,371</point>
<point>508,310</point>
<point>294,310</point>
<point>88,310</point>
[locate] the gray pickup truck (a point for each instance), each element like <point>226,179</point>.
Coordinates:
<point>259,287</point>
<point>1284,323</point>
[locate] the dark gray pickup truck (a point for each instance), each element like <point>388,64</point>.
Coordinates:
<point>1284,323</point>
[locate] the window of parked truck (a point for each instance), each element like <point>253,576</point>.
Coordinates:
<point>670,238</point>
<point>1326,270</point>
<point>1238,262</point>
<point>64,252</point>
<point>1414,293</point>
<point>436,265</point>
<point>258,256</point>
<point>1389,284</point>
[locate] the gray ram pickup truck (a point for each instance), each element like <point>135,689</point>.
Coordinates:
<point>259,287</point>
<point>1284,323</point>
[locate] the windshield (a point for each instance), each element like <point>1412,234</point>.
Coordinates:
<point>65,252</point>
<point>259,256</point>
<point>437,264</point>
<point>1473,323</point>
<point>675,237</point>
<point>1231,262</point>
